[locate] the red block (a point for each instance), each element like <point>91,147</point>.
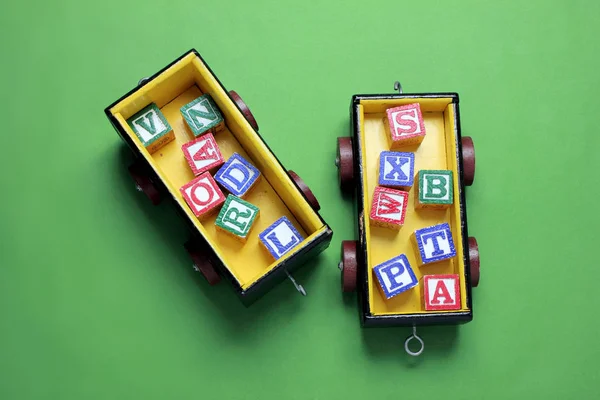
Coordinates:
<point>441,292</point>
<point>389,207</point>
<point>203,195</point>
<point>406,126</point>
<point>203,154</point>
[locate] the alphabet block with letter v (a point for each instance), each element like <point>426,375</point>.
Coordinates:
<point>202,195</point>
<point>389,207</point>
<point>280,237</point>
<point>395,276</point>
<point>434,243</point>
<point>202,115</point>
<point>441,292</point>
<point>435,189</point>
<point>237,217</point>
<point>203,154</point>
<point>405,125</point>
<point>396,169</point>
<point>237,175</point>
<point>151,127</point>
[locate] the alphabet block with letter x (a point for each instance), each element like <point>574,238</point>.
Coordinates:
<point>434,189</point>
<point>396,169</point>
<point>202,195</point>
<point>237,175</point>
<point>406,126</point>
<point>151,127</point>
<point>203,154</point>
<point>395,276</point>
<point>389,207</point>
<point>280,237</point>
<point>202,114</point>
<point>237,217</point>
<point>434,243</point>
<point>441,292</point>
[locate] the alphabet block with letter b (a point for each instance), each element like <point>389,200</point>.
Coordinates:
<point>396,169</point>
<point>435,189</point>
<point>203,154</point>
<point>389,207</point>
<point>395,276</point>
<point>434,243</point>
<point>237,217</point>
<point>280,237</point>
<point>237,175</point>
<point>202,115</point>
<point>441,292</point>
<point>405,125</point>
<point>202,195</point>
<point>151,127</point>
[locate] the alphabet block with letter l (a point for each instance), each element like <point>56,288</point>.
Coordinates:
<point>389,207</point>
<point>237,217</point>
<point>151,127</point>
<point>396,169</point>
<point>203,154</point>
<point>405,125</point>
<point>435,189</point>
<point>441,292</point>
<point>395,276</point>
<point>202,195</point>
<point>280,237</point>
<point>434,243</point>
<point>237,175</point>
<point>202,115</point>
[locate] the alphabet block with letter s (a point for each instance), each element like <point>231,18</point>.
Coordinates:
<point>405,125</point>
<point>389,207</point>
<point>237,217</point>
<point>237,175</point>
<point>151,127</point>
<point>434,243</point>
<point>441,292</point>
<point>395,276</point>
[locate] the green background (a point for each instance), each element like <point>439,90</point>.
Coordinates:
<point>97,296</point>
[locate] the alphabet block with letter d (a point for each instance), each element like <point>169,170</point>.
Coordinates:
<point>202,115</point>
<point>395,276</point>
<point>434,243</point>
<point>434,189</point>
<point>280,237</point>
<point>441,292</point>
<point>151,127</point>
<point>237,175</point>
<point>237,217</point>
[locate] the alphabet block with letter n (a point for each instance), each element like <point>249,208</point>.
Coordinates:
<point>405,125</point>
<point>237,175</point>
<point>434,243</point>
<point>202,115</point>
<point>202,195</point>
<point>280,237</point>
<point>396,169</point>
<point>389,207</point>
<point>151,127</point>
<point>434,189</point>
<point>395,276</point>
<point>237,217</point>
<point>441,292</point>
<point>203,154</point>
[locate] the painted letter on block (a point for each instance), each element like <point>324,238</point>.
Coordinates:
<point>237,217</point>
<point>434,243</point>
<point>405,125</point>
<point>203,154</point>
<point>202,195</point>
<point>201,115</point>
<point>441,292</point>
<point>151,127</point>
<point>389,207</point>
<point>237,175</point>
<point>435,189</point>
<point>395,276</point>
<point>280,237</point>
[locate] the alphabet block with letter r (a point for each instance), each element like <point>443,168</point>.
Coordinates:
<point>237,175</point>
<point>203,154</point>
<point>202,195</point>
<point>395,276</point>
<point>237,217</point>
<point>396,169</point>
<point>405,125</point>
<point>389,207</point>
<point>441,292</point>
<point>434,189</point>
<point>151,127</point>
<point>202,115</point>
<point>434,243</point>
<point>280,237</point>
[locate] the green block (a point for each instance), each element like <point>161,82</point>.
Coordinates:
<point>151,127</point>
<point>436,187</point>
<point>202,114</point>
<point>237,216</point>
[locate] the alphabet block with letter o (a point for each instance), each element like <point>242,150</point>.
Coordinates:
<point>434,189</point>
<point>202,195</point>
<point>395,276</point>
<point>441,292</point>
<point>237,175</point>
<point>237,217</point>
<point>389,207</point>
<point>405,125</point>
<point>280,237</point>
<point>151,127</point>
<point>396,169</point>
<point>202,115</point>
<point>434,243</point>
<point>203,154</point>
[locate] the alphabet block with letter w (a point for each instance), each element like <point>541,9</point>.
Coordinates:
<point>389,207</point>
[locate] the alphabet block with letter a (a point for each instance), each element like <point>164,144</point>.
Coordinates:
<point>395,276</point>
<point>405,125</point>
<point>441,292</point>
<point>151,127</point>
<point>389,207</point>
<point>237,217</point>
<point>237,175</point>
<point>202,195</point>
<point>396,169</point>
<point>202,115</point>
<point>434,189</point>
<point>434,243</point>
<point>203,154</point>
<point>280,237</point>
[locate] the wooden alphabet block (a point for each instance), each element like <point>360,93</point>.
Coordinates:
<point>389,207</point>
<point>202,195</point>
<point>237,175</point>
<point>434,189</point>
<point>237,217</point>
<point>434,243</point>
<point>151,127</point>
<point>202,115</point>
<point>280,237</point>
<point>203,154</point>
<point>395,276</point>
<point>441,292</point>
<point>396,169</point>
<point>405,125</point>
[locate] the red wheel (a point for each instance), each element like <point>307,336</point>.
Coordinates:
<point>474,261</point>
<point>349,265</point>
<point>138,172</point>
<point>243,108</point>
<point>345,162</point>
<point>310,197</point>
<point>202,264</point>
<point>468,155</point>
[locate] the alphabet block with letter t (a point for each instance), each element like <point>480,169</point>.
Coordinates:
<point>395,276</point>
<point>405,125</point>
<point>434,243</point>
<point>237,217</point>
<point>202,115</point>
<point>441,292</point>
<point>151,127</point>
<point>389,207</point>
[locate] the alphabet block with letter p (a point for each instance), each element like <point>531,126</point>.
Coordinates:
<point>237,175</point>
<point>202,195</point>
<point>237,217</point>
<point>434,243</point>
<point>441,292</point>
<point>396,169</point>
<point>151,127</point>
<point>435,189</point>
<point>280,237</point>
<point>203,154</point>
<point>395,276</point>
<point>202,115</point>
<point>389,207</point>
<point>405,125</point>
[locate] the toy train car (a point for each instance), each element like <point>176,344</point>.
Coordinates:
<point>383,260</point>
<point>161,120</point>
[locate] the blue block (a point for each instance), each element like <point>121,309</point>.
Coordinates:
<point>396,169</point>
<point>280,237</point>
<point>435,243</point>
<point>395,276</point>
<point>237,175</point>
